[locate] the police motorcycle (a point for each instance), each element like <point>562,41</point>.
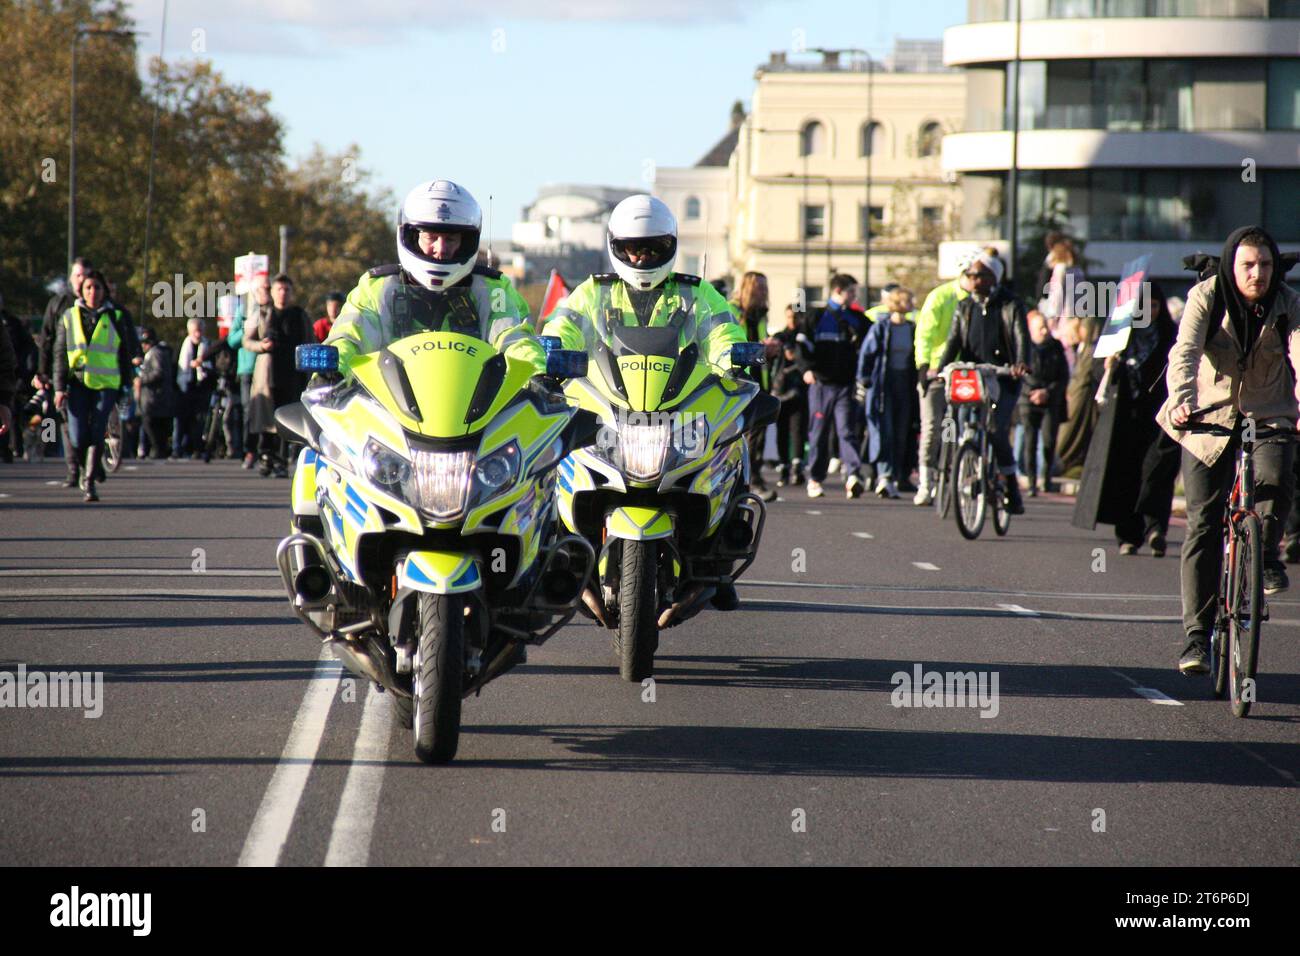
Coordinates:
<point>425,548</point>
<point>663,493</point>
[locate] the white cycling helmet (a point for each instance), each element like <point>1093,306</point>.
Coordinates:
<point>442,206</point>
<point>644,225</point>
<point>966,260</point>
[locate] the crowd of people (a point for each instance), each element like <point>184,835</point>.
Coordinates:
<point>860,389</point>
<point>91,371</point>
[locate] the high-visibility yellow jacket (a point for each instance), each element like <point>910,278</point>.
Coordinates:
<point>694,307</point>
<point>384,307</point>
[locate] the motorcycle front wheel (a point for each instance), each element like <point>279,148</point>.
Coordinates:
<point>638,611</point>
<point>437,677</point>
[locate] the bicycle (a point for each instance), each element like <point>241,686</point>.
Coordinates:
<point>1234,641</point>
<point>969,476</point>
<point>113,437</point>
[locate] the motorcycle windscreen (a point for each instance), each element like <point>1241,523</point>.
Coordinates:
<point>646,358</point>
<point>445,384</point>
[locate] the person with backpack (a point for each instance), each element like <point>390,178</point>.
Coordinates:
<point>1237,347</point>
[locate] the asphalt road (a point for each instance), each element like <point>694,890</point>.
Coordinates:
<point>772,736</point>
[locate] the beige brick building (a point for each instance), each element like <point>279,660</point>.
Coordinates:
<point>799,173</point>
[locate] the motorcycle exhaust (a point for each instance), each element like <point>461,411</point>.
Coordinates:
<point>313,583</point>
<point>561,586</point>
<point>357,660</point>
<point>689,606</point>
<point>738,534</point>
<point>593,604</point>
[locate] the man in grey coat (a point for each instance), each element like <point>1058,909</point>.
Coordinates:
<point>1232,357</point>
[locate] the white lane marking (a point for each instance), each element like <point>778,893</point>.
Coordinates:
<point>4,496</point>
<point>73,593</point>
<point>52,483</point>
<point>1017,609</point>
<point>274,819</point>
<point>355,821</point>
<point>925,565</point>
<point>131,467</point>
<point>134,572</point>
<point>1155,696</point>
<point>865,535</point>
<point>806,512</point>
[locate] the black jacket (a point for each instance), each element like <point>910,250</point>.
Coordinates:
<point>1000,338</point>
<point>1048,369</point>
<point>787,374</point>
<point>836,335</point>
<point>54,310</point>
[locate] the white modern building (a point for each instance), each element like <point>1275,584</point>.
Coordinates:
<point>1145,126</point>
<point>564,229</point>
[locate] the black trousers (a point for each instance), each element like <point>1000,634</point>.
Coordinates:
<point>1038,420</point>
<point>159,430</point>
<point>1155,497</point>
<point>792,430</point>
<point>1207,488</point>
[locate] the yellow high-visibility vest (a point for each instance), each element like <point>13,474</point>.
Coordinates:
<point>95,359</point>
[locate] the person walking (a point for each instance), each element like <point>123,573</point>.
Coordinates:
<point>92,358</point>
<point>750,309</point>
<point>887,376</point>
<point>1042,402</point>
<point>1128,477</point>
<point>25,359</point>
<point>836,335</point>
<point>788,386</point>
<point>156,393</point>
<point>194,380</point>
<point>274,336</point>
<point>247,359</point>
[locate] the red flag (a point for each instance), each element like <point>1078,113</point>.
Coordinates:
<point>556,289</point>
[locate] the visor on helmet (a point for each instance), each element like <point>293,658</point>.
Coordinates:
<point>657,250</point>
<point>468,248</point>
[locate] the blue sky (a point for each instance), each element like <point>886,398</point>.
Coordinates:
<point>506,95</point>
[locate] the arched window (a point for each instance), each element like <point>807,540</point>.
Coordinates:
<point>927,143</point>
<point>873,138</point>
<point>692,207</point>
<point>812,139</point>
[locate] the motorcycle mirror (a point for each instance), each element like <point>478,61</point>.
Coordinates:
<point>566,363</point>
<point>316,358</point>
<point>744,354</point>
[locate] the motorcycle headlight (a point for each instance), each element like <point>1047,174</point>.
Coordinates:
<point>643,448</point>
<point>386,467</point>
<point>498,469</point>
<point>691,436</point>
<point>441,482</point>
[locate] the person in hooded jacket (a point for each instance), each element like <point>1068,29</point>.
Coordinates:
<point>1232,358</point>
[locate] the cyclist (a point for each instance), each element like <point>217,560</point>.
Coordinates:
<point>436,285</point>
<point>1230,357</point>
<point>932,327</point>
<point>989,327</point>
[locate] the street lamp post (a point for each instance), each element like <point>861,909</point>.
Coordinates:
<point>77,33</point>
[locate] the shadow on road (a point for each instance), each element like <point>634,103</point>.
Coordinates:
<point>876,676</point>
<point>847,752</point>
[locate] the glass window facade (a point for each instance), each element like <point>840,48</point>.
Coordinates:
<point>1165,94</point>
<point>1115,205</point>
<point>985,11</point>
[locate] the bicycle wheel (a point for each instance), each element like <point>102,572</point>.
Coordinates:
<point>969,491</point>
<point>1220,638</point>
<point>1247,597</point>
<point>1001,516</point>
<point>943,483</point>
<point>113,443</point>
